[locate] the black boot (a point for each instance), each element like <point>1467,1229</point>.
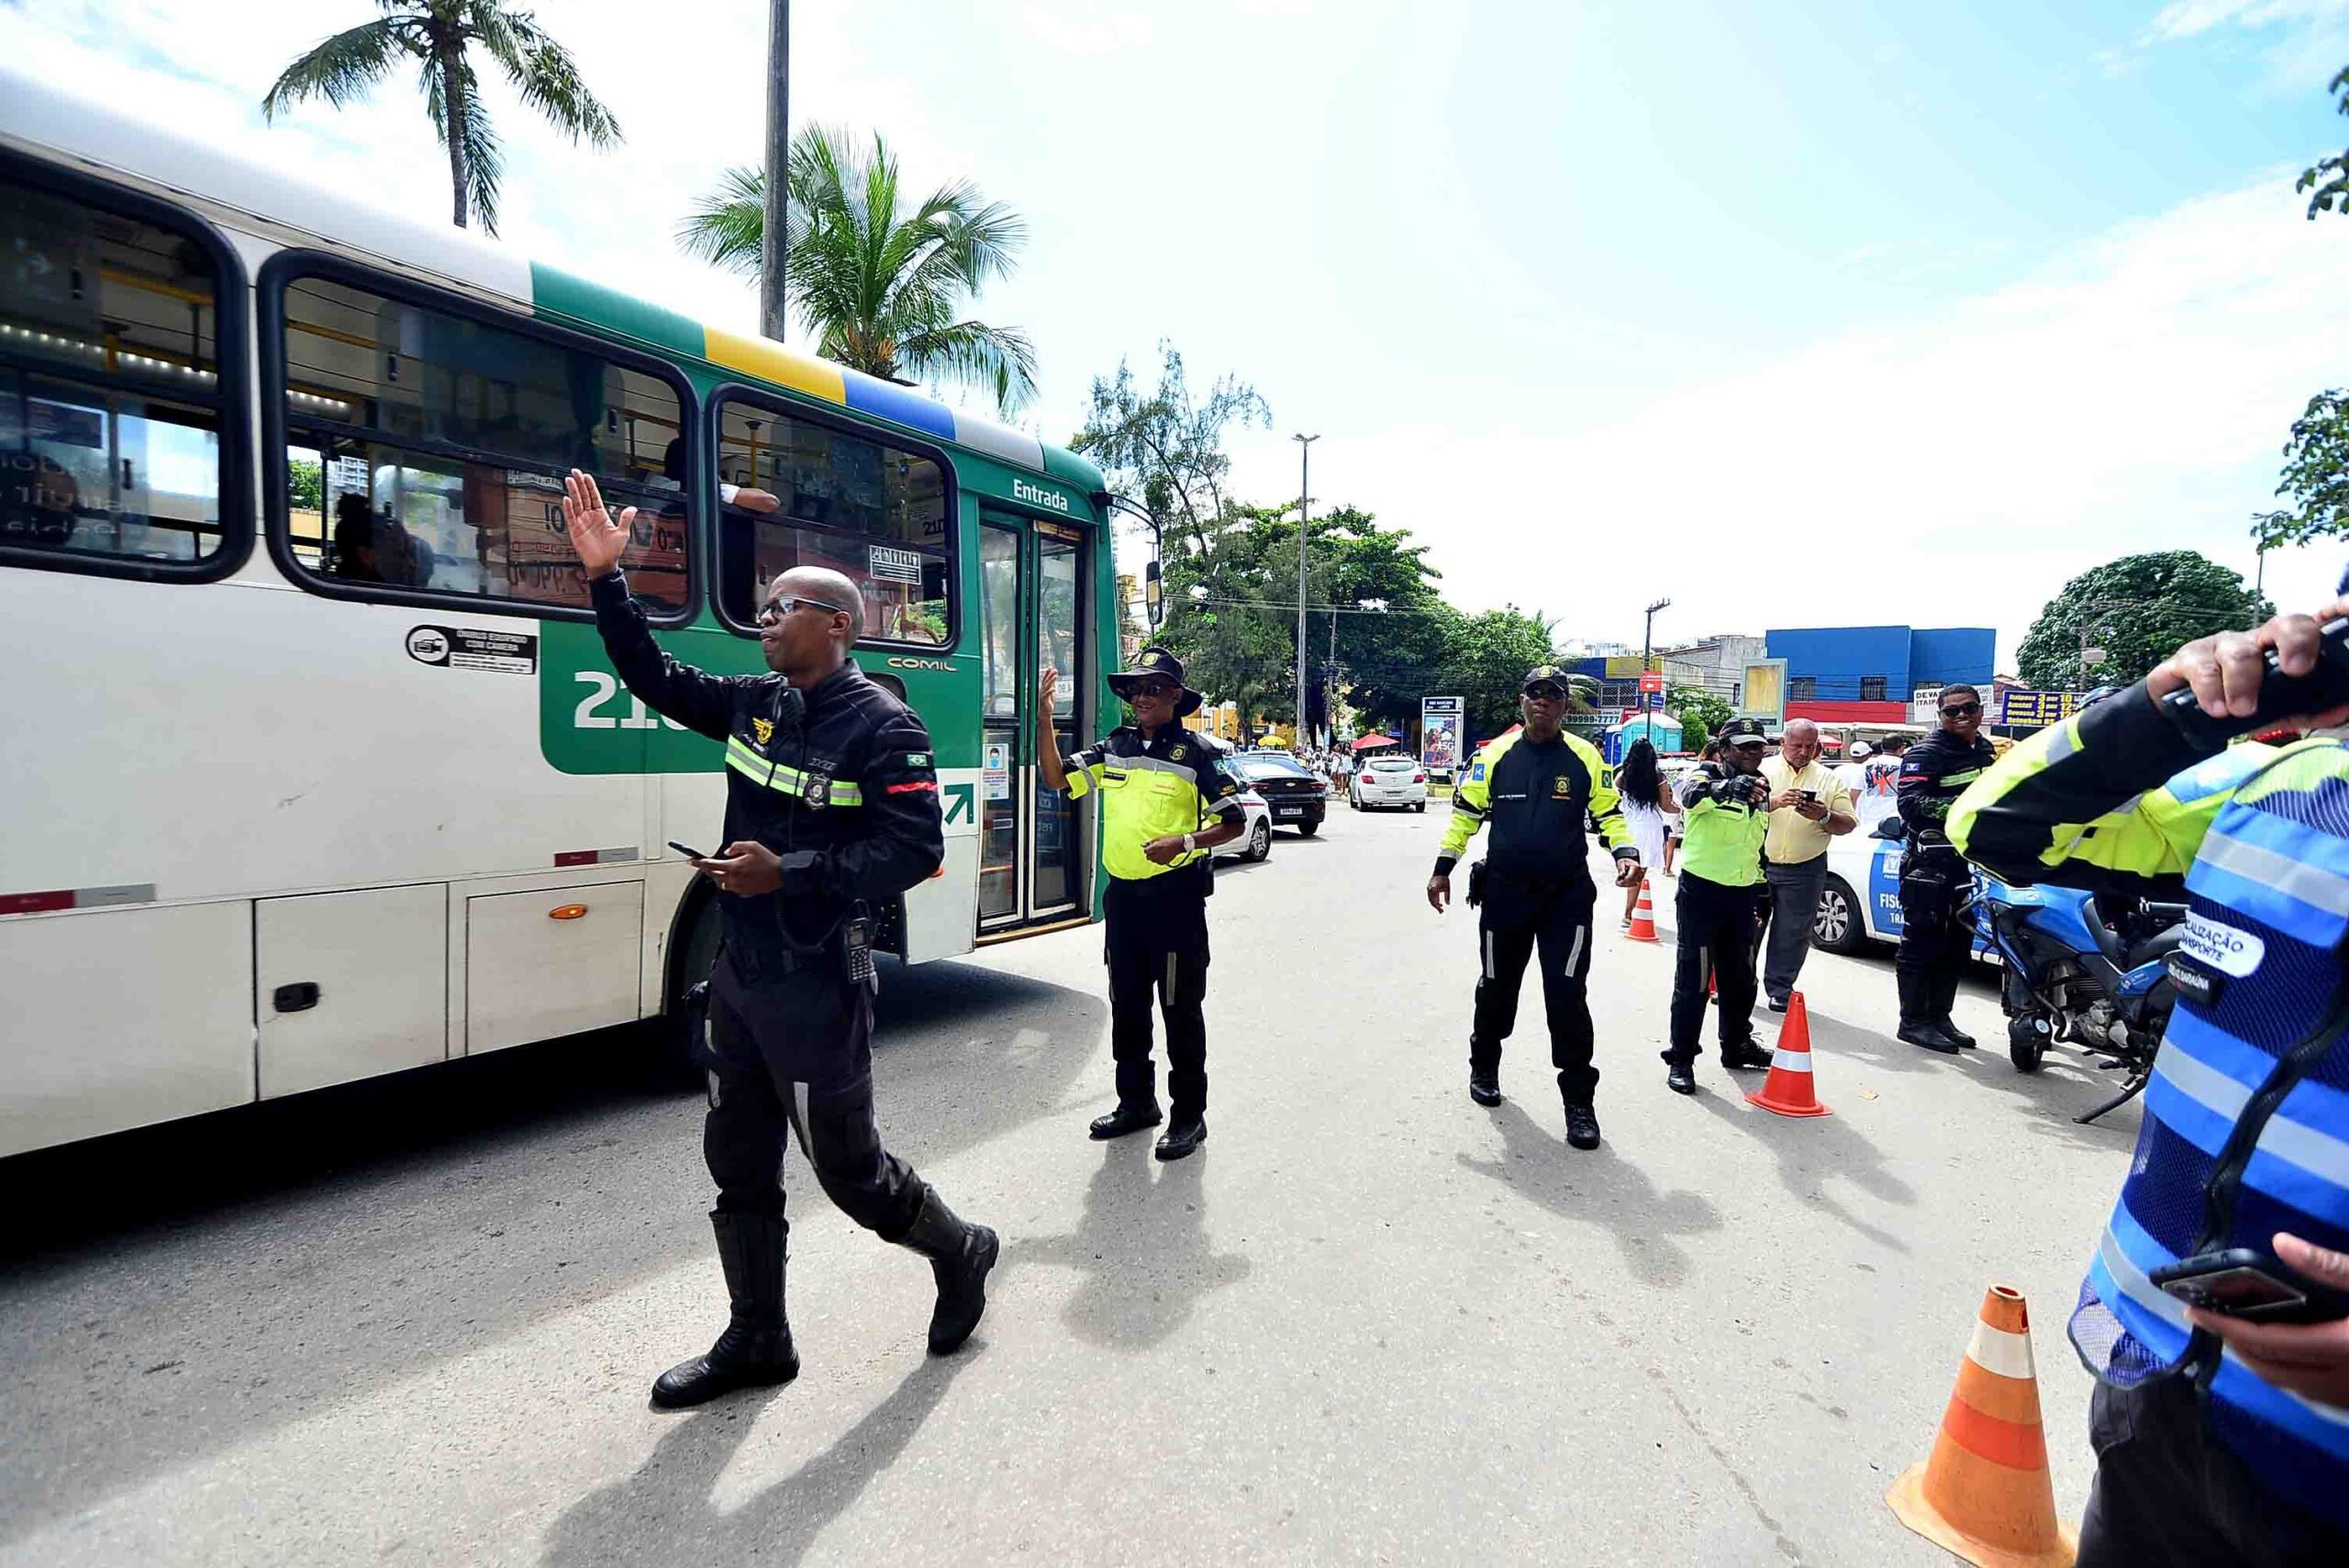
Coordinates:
<point>1137,1101</point>
<point>1917,1025</point>
<point>1944,999</point>
<point>1582,1126</point>
<point>1484,1084</point>
<point>960,1255</point>
<point>755,1349</point>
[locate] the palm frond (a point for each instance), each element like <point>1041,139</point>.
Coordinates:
<point>542,72</point>
<point>726,230</point>
<point>1000,358</point>
<point>339,70</point>
<point>485,160</point>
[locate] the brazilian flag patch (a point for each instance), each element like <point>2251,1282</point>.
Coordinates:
<point>916,758</point>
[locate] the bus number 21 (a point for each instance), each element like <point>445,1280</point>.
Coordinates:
<point>585,717</point>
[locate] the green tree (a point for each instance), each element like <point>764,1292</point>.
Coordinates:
<point>440,36</point>
<point>2329,179</point>
<point>304,484</point>
<point>1223,618</point>
<point>1163,450</point>
<point>2315,477</point>
<point>882,286</point>
<point>1701,714</point>
<point>2139,609</point>
<point>1484,659</point>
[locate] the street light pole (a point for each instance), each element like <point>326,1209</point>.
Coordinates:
<point>1304,516</point>
<point>773,237</point>
<point>1647,642</point>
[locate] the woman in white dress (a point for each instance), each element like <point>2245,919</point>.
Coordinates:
<point>1646,801</point>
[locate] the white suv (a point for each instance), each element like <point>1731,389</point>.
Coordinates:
<point>1389,781</point>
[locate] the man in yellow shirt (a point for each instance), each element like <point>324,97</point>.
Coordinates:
<point>1809,806</point>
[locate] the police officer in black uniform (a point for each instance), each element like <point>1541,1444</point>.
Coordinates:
<point>1936,933</point>
<point>831,808</point>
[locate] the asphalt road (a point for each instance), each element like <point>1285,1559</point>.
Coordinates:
<point>413,1322</point>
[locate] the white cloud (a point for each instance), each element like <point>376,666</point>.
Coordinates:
<point>2188,19</point>
<point>1951,469</point>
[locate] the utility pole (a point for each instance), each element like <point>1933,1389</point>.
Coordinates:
<point>1304,516</point>
<point>774,248</point>
<point>1647,642</point>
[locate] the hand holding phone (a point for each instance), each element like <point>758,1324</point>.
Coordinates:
<point>2254,1284</point>
<point>687,850</point>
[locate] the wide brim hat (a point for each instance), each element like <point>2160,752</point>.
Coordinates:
<point>1154,662</point>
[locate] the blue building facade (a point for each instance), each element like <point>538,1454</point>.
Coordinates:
<point>1862,674</point>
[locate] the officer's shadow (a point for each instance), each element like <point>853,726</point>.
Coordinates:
<point>1814,1149</point>
<point>1141,1249</point>
<point>1599,1186</point>
<point>663,1512</point>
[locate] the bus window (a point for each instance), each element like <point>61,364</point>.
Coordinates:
<point>806,495</point>
<point>426,450</point>
<point>110,404</point>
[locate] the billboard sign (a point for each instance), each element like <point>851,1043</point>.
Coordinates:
<point>1651,681</point>
<point>1765,690</point>
<point>1439,720</point>
<point>2036,710</point>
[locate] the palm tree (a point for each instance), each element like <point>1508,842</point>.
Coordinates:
<point>881,288</point>
<point>439,34</point>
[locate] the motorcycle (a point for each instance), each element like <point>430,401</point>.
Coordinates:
<point>2073,975</point>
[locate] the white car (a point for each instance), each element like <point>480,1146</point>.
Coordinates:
<point>1256,843</point>
<point>1389,781</point>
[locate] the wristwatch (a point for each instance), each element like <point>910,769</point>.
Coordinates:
<point>1190,843</point>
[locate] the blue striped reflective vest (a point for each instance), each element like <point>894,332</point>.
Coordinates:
<point>2247,1124</point>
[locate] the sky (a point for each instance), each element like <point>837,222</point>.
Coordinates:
<point>1795,315</point>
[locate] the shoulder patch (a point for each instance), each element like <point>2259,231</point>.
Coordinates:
<point>916,758</point>
<point>1477,774</point>
<point>764,728</point>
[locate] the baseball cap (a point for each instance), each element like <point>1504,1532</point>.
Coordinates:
<point>1541,672</point>
<point>1743,732</point>
<point>1862,749</point>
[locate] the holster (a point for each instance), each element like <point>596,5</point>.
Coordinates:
<point>1477,875</point>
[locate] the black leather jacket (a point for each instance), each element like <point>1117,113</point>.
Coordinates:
<point>1932,775</point>
<point>838,779</point>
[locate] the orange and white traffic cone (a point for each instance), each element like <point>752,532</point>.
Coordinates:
<point>1985,1493</point>
<point>1788,1089</point>
<point>1643,915</point>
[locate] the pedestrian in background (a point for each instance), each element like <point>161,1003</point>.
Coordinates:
<point>1167,800</point>
<point>1535,785</point>
<point>1852,770</point>
<point>1936,928</point>
<point>1647,803</point>
<point>1721,888</point>
<point>1808,807</point>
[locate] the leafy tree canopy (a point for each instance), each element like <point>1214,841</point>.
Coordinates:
<point>1162,449</point>
<point>1701,714</point>
<point>2139,609</point>
<point>2329,179</point>
<point>881,285</point>
<point>2315,477</point>
<point>442,36</point>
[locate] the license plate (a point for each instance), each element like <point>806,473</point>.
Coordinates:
<point>1290,811</point>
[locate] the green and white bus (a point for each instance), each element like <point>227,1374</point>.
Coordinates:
<point>314,768</point>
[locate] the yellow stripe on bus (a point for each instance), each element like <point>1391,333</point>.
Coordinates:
<point>773,362</point>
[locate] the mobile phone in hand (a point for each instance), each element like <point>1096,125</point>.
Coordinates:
<point>2251,1284</point>
<point>687,850</point>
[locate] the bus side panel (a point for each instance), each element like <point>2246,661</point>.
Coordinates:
<point>117,1018</point>
<point>245,739</point>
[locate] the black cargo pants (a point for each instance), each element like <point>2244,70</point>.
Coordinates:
<point>1715,929</point>
<point>1515,919</point>
<point>1936,928</point>
<point>794,1055</point>
<point>1154,939</point>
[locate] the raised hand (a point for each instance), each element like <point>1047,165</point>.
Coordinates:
<point>1048,688</point>
<point>600,541</point>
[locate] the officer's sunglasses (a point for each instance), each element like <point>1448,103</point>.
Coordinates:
<point>1150,689</point>
<point>1544,692</point>
<point>1961,710</point>
<point>775,609</point>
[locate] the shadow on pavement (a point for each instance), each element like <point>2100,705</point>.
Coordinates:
<point>1810,1151</point>
<point>1142,1247</point>
<point>664,1513</point>
<point>2055,1094</point>
<point>189,1289</point>
<point>1538,1167</point>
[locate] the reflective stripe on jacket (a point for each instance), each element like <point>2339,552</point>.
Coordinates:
<point>1538,832</point>
<point>2247,1121</point>
<point>1174,783</point>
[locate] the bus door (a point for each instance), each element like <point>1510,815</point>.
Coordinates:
<point>1031,610</point>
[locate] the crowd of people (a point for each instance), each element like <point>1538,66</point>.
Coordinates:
<point>2222,1435</point>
